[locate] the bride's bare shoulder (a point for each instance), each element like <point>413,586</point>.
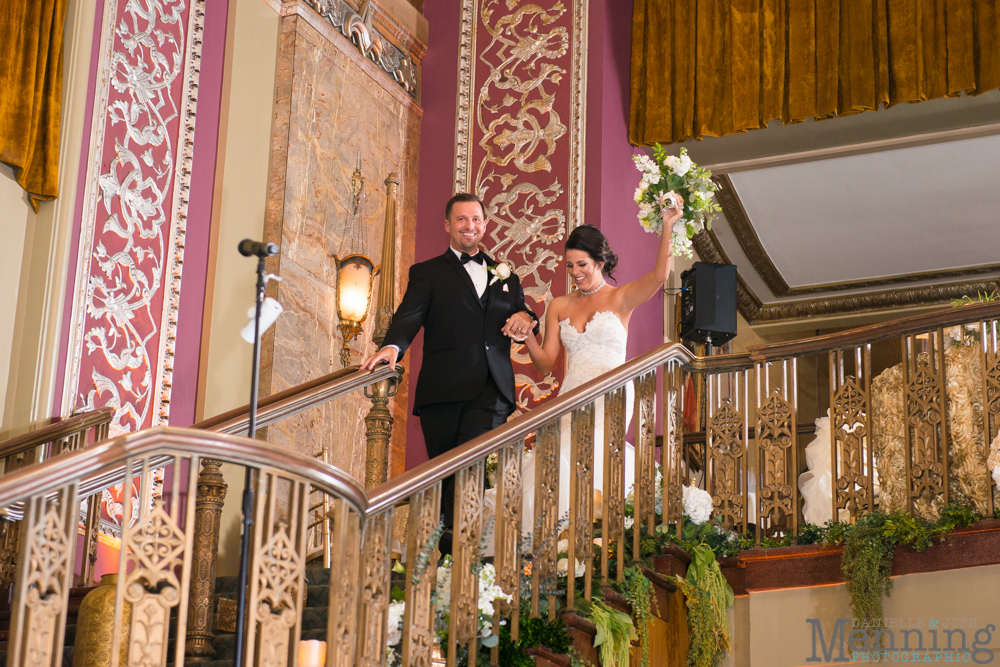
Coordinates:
<point>559,305</point>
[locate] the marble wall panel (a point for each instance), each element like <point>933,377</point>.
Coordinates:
<point>329,113</point>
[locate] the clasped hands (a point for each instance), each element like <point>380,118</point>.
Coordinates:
<point>518,327</point>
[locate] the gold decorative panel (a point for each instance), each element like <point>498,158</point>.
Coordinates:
<point>726,449</point>
<point>421,578</point>
<point>544,527</point>
<point>777,471</point>
<point>613,499</point>
<point>374,598</point>
<point>468,533</point>
<point>645,454</point>
<point>44,577</point>
<point>926,425</point>
<point>508,523</point>
<point>345,569</point>
<point>277,571</point>
<point>850,410</point>
<point>673,445</point>
<point>581,497</point>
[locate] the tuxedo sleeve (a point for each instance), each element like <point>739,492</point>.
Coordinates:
<point>520,306</point>
<point>412,311</point>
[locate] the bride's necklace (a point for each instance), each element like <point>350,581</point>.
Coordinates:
<point>595,290</point>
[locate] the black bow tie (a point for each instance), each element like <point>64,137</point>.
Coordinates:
<point>477,258</point>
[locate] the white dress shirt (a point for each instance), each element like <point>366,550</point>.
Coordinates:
<point>478,273</point>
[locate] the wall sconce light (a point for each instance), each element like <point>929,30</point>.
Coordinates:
<point>355,274</point>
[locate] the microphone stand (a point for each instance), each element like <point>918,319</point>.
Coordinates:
<point>241,599</point>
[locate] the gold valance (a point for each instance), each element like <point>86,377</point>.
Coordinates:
<point>710,68</point>
<point>31,37</point>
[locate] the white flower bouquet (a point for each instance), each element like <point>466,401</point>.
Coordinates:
<point>670,181</point>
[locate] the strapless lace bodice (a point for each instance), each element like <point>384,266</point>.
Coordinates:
<point>597,350</point>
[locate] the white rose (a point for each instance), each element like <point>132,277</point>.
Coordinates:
<point>563,566</point>
<point>683,165</point>
<point>639,192</point>
<point>394,621</point>
<point>503,271</point>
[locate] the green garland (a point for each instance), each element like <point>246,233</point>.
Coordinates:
<point>532,632</point>
<point>637,589</point>
<point>615,633</point>
<point>708,643</point>
<point>708,595</point>
<point>869,545</point>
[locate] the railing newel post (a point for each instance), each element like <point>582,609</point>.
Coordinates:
<point>208,511</point>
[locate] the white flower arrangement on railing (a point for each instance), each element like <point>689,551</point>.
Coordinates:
<point>667,181</point>
<point>698,505</point>
<point>489,593</point>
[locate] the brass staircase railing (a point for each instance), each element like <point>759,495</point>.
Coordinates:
<point>50,441</point>
<point>760,390</point>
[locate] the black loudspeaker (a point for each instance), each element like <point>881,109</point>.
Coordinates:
<point>708,303</point>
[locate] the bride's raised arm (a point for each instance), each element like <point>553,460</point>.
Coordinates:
<point>642,290</point>
<point>543,357</point>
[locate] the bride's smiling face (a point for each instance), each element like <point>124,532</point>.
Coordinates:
<point>583,270</point>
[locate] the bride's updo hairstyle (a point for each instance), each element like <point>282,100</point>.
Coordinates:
<point>592,241</point>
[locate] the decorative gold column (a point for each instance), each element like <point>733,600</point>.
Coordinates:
<point>378,429</point>
<point>208,508</point>
<point>378,423</point>
<point>10,532</point>
<point>386,304</point>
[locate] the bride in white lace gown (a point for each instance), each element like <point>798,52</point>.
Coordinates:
<point>592,324</point>
<point>599,349</point>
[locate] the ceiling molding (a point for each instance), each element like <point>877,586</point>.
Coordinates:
<point>847,150</point>
<point>754,311</point>
<point>750,243</point>
<point>875,301</point>
<point>739,222</point>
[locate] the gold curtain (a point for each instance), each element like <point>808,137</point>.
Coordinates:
<point>31,36</point>
<point>710,68</point>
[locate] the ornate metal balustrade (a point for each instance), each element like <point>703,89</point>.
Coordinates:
<point>64,436</point>
<point>157,556</point>
<point>750,464</point>
<point>910,434</point>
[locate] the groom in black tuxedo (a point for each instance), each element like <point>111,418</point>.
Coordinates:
<point>468,308</point>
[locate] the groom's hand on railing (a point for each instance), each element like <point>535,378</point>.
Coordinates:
<point>387,354</point>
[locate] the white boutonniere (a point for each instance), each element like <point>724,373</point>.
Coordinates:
<point>499,271</point>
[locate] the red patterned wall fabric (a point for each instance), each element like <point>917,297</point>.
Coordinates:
<point>520,142</point>
<point>127,284</point>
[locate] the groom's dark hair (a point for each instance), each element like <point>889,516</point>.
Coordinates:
<point>463,197</point>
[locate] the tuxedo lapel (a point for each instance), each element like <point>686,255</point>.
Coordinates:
<point>455,263</point>
<point>492,287</point>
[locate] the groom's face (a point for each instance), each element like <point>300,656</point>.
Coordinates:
<point>465,226</point>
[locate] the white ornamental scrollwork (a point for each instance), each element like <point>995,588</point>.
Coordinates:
<point>135,210</point>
